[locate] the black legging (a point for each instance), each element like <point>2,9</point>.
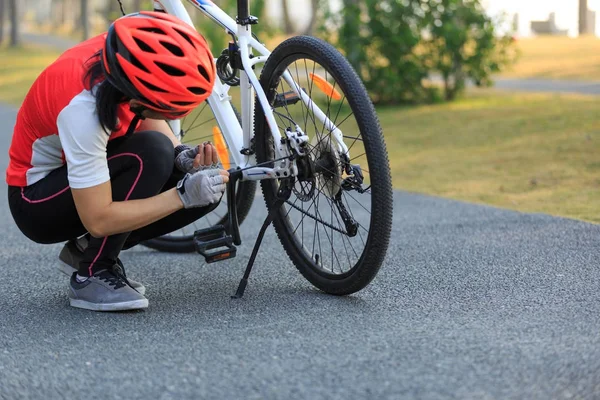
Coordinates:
<point>140,166</point>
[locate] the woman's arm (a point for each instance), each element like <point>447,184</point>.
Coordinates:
<point>102,216</point>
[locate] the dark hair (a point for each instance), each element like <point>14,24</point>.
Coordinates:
<point>108,97</point>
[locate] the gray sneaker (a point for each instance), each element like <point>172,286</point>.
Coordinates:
<point>106,290</point>
<point>71,254</point>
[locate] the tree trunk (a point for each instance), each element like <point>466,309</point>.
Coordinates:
<point>314,8</point>
<point>583,9</point>
<point>85,20</point>
<point>58,13</point>
<point>2,7</point>
<point>287,21</point>
<point>15,38</point>
<point>137,5</point>
<point>111,7</point>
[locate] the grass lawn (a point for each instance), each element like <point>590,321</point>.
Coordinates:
<point>554,57</point>
<point>19,68</point>
<point>529,152</point>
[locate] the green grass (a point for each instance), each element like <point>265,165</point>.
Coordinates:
<point>529,152</point>
<point>18,70</point>
<point>555,57</point>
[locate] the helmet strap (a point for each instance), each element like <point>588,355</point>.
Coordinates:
<point>137,118</point>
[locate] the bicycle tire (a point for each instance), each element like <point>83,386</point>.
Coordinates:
<point>246,191</point>
<point>371,259</point>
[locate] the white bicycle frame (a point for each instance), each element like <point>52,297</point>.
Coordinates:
<point>238,136</point>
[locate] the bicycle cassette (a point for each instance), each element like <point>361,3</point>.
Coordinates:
<point>328,166</point>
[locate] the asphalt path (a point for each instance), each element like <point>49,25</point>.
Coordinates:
<point>473,302</point>
<point>548,85</point>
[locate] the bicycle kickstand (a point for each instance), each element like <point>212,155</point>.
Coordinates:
<point>282,196</point>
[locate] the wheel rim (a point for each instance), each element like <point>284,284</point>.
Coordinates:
<point>311,217</point>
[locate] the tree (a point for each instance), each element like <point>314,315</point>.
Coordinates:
<point>85,20</point>
<point>396,46</point>
<point>583,10</point>
<point>15,38</point>
<point>380,40</point>
<point>2,21</point>
<point>464,44</point>
<point>314,16</point>
<point>288,27</point>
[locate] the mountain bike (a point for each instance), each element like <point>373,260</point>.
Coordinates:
<point>309,133</point>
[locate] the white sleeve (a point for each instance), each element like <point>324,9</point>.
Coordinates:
<point>84,143</point>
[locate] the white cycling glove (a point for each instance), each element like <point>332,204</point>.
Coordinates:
<point>184,159</point>
<point>201,188</point>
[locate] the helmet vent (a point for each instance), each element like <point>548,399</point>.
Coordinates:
<point>182,103</point>
<point>144,46</point>
<point>197,90</point>
<point>203,72</point>
<point>137,63</point>
<point>169,69</point>
<point>151,86</point>
<point>185,36</point>
<point>153,30</point>
<point>176,50</point>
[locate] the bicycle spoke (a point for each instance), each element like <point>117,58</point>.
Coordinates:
<point>197,116</point>
<point>299,90</point>
<point>202,123</point>
<point>327,235</point>
<point>314,215</point>
<point>196,139</point>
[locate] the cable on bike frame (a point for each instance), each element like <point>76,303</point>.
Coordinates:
<point>121,7</point>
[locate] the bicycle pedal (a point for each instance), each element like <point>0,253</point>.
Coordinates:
<point>214,244</point>
<point>285,99</point>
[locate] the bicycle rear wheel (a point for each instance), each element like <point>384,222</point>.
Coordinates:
<point>196,128</point>
<point>336,226</point>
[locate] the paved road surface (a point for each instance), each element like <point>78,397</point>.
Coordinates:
<point>547,85</point>
<point>473,303</point>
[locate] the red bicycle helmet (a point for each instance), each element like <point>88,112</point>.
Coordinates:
<point>160,61</point>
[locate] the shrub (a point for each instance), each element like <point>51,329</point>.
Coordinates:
<point>396,45</point>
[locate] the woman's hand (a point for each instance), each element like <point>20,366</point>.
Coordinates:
<point>199,158</point>
<point>202,188</point>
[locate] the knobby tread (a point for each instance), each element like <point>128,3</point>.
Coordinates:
<point>381,218</point>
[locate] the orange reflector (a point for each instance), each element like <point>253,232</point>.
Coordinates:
<point>221,147</point>
<point>325,87</point>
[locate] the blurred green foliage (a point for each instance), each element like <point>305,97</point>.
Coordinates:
<point>396,45</point>
<point>213,33</point>
<point>216,35</point>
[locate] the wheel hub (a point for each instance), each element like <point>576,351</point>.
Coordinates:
<point>327,166</point>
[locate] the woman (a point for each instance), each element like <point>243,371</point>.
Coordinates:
<point>93,157</point>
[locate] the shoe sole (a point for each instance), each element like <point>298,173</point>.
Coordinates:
<point>124,306</point>
<point>68,271</point>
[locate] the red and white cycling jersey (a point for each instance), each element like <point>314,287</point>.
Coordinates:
<point>58,124</point>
